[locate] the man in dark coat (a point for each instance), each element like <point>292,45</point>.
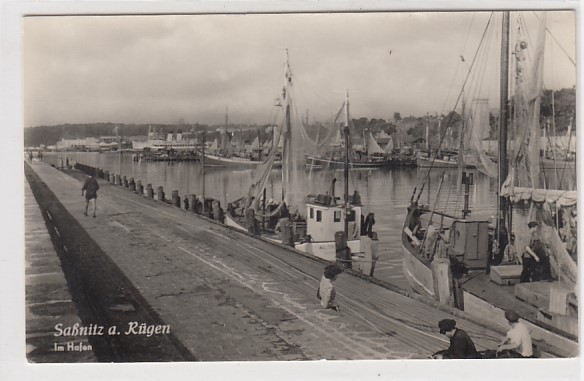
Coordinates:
<point>90,188</point>
<point>461,345</point>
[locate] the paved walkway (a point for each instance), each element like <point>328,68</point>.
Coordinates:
<point>48,300</point>
<point>228,296</point>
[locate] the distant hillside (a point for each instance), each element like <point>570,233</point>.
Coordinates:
<point>50,135</point>
<point>408,129</point>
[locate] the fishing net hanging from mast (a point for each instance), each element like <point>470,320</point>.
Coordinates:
<point>293,141</point>
<point>524,182</point>
<point>478,130</point>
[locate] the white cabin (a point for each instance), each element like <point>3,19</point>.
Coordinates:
<point>324,219</point>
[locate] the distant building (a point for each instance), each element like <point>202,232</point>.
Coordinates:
<point>108,139</point>
<point>77,144</point>
<point>103,143</point>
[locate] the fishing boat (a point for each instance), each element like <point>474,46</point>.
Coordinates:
<point>173,141</point>
<point>233,160</point>
<point>558,151</point>
<point>319,224</point>
<point>456,259</point>
<point>369,156</point>
<point>442,159</point>
<point>228,152</point>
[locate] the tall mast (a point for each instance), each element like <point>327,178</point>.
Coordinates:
<point>346,133</point>
<point>503,115</point>
<point>203,168</point>
<point>226,147</point>
<point>461,143</point>
<point>287,154</point>
<point>427,134</point>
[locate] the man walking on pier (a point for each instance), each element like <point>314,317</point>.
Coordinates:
<point>90,188</point>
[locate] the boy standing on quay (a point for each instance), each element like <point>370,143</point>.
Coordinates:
<point>90,188</point>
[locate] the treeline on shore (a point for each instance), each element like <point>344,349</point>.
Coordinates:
<point>409,128</point>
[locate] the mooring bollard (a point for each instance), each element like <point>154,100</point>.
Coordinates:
<point>207,207</point>
<point>193,203</point>
<point>216,210</point>
<point>175,198</point>
<point>132,184</point>
<point>160,193</point>
<point>149,191</point>
<point>139,187</point>
<point>343,252</point>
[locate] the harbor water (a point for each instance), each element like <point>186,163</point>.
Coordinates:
<point>384,192</point>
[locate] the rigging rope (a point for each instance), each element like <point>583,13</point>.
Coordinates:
<point>557,42</point>
<point>449,122</point>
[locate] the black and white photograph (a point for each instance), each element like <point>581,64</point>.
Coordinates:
<point>396,186</point>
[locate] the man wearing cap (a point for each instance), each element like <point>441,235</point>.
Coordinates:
<point>461,345</point>
<point>531,255</point>
<point>518,339</point>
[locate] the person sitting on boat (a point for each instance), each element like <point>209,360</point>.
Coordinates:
<point>413,230</point>
<point>510,252</point>
<point>356,198</point>
<point>432,235</point>
<point>517,342</point>
<point>499,248</point>
<point>326,291</point>
<point>531,254</point>
<point>461,345</point>
<point>369,222</point>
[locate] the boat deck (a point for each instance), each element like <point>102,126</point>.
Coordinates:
<point>480,285</point>
<point>487,301</point>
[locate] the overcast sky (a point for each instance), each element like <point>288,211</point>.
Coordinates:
<point>164,69</point>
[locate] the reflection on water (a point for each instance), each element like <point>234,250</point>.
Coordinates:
<point>384,192</point>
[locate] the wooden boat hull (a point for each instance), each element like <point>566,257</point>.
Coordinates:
<point>492,311</point>
<point>235,162</point>
<point>320,162</point>
<point>423,162</point>
<point>418,275</point>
